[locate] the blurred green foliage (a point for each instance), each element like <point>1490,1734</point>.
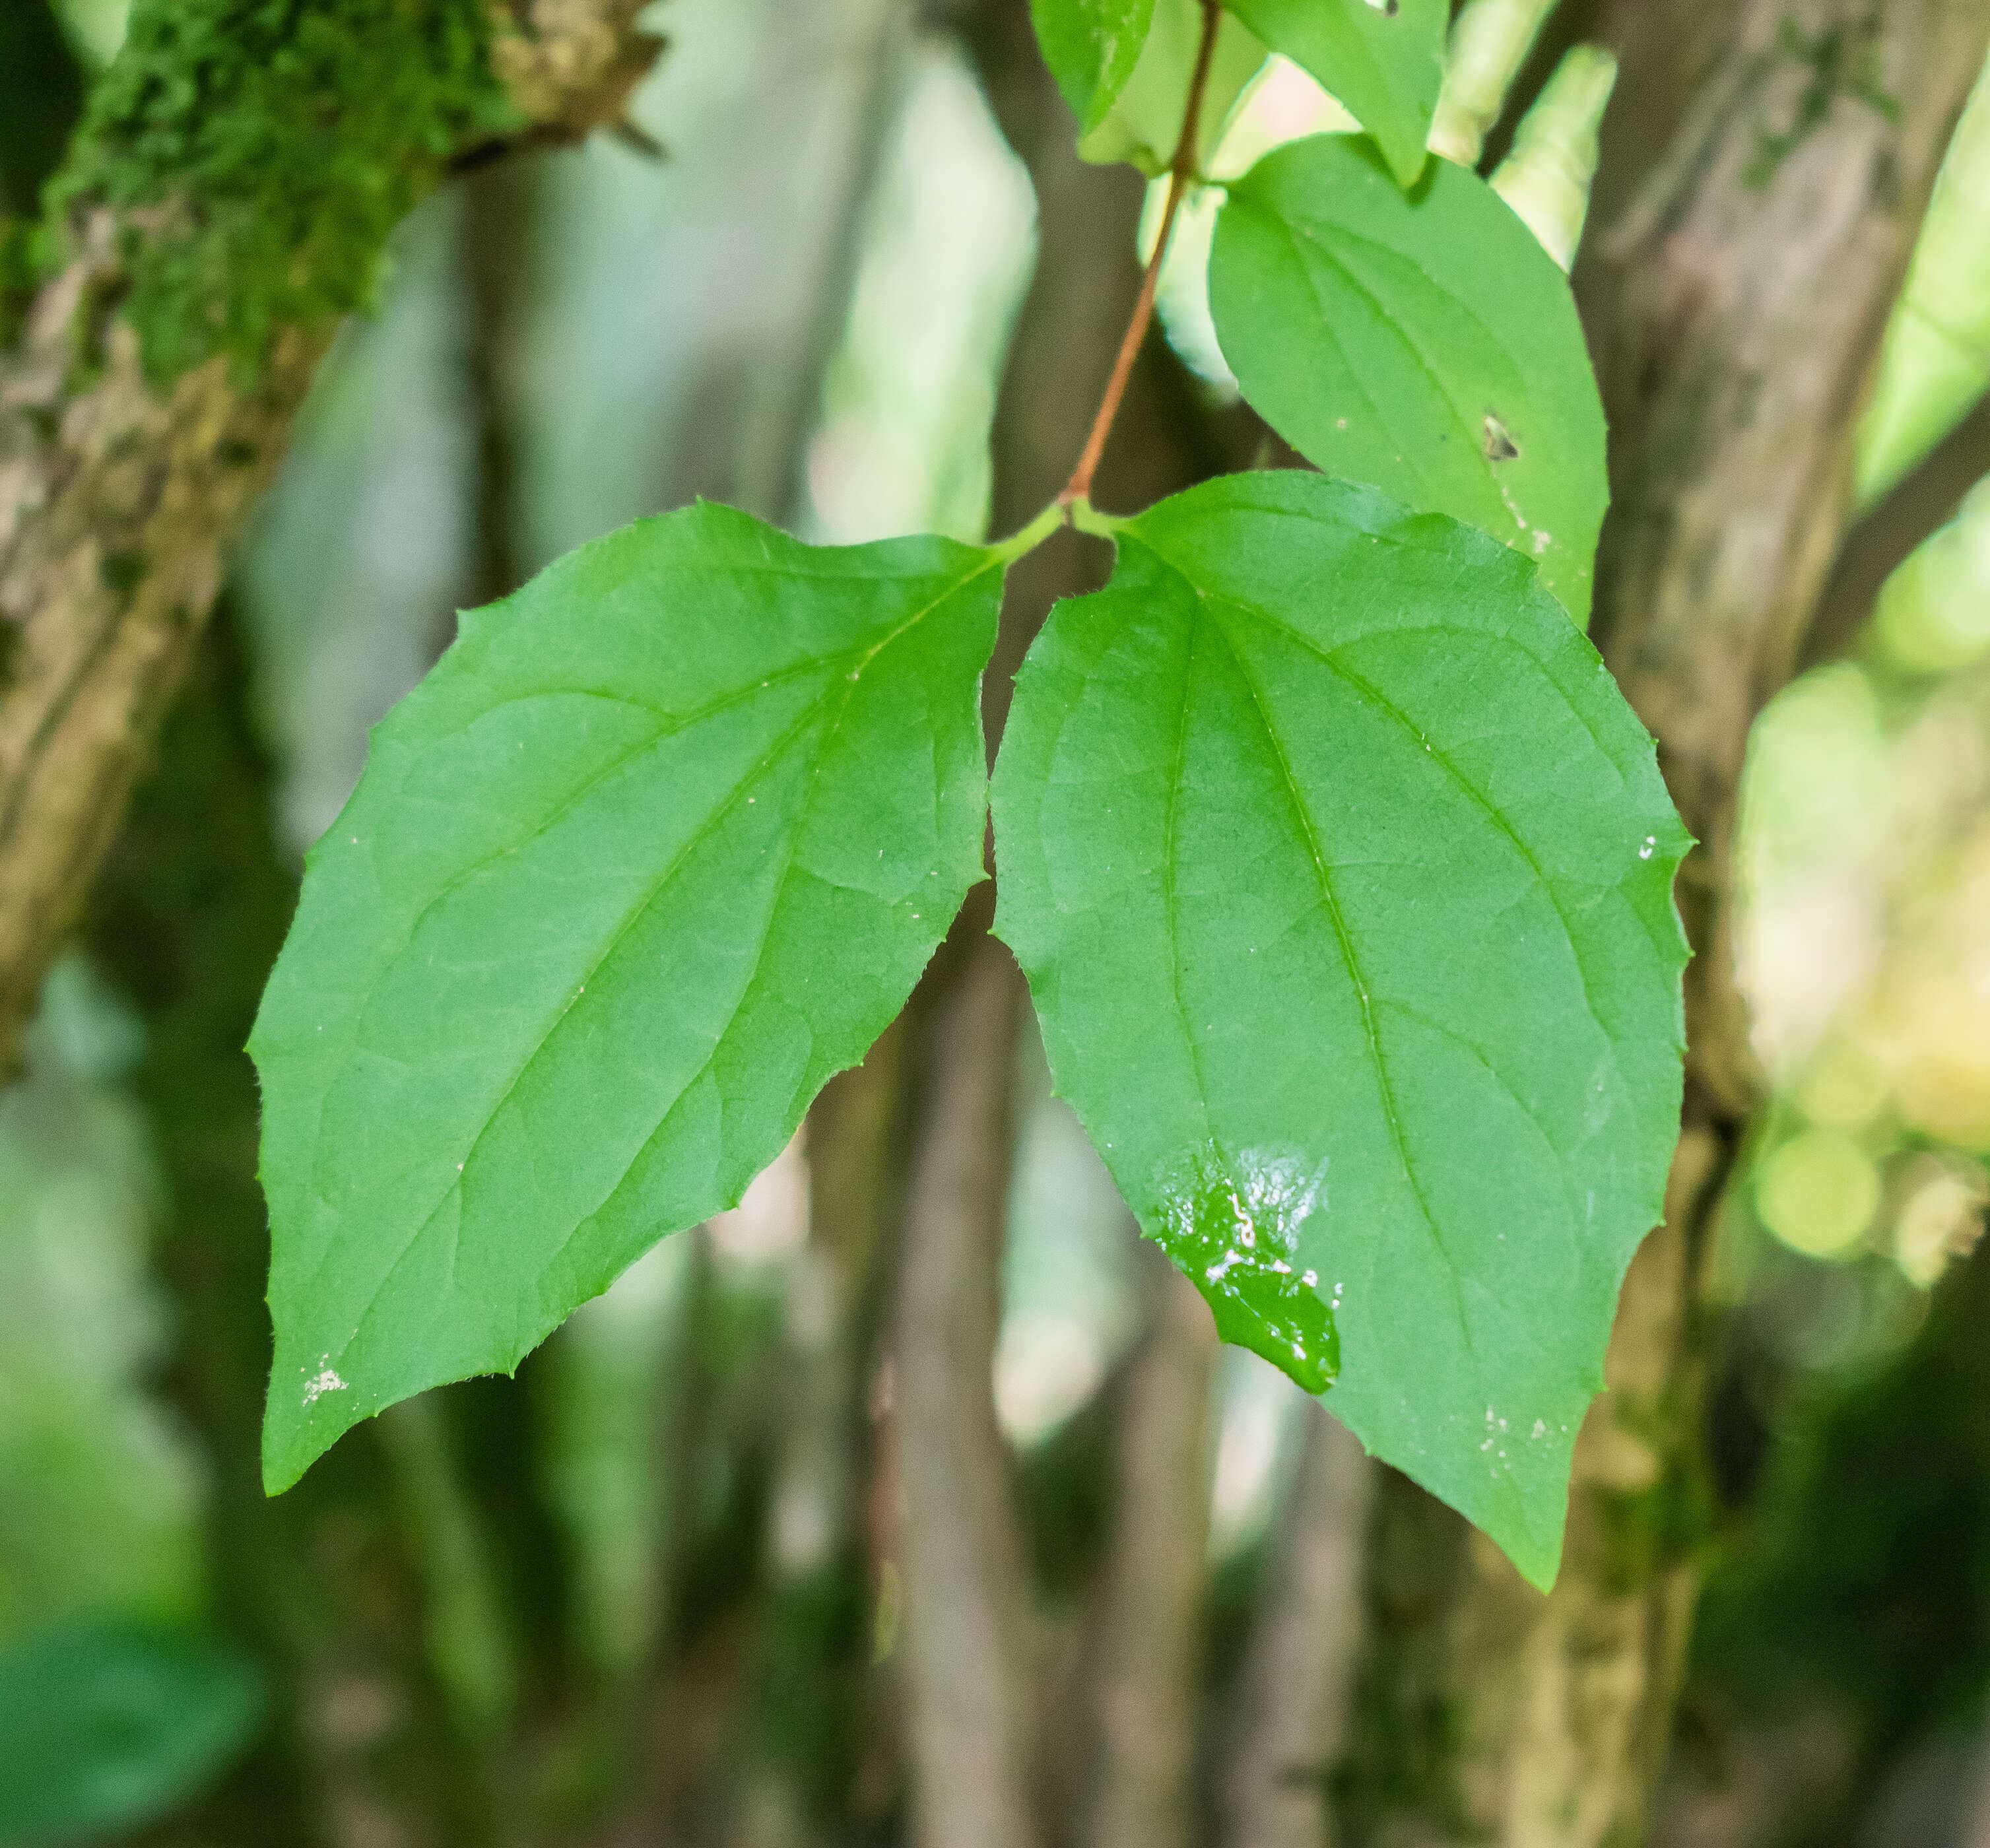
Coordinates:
<point>1851,1588</point>
<point>100,1491</point>
<point>106,1723</point>
<point>1935,364</point>
<point>44,94</point>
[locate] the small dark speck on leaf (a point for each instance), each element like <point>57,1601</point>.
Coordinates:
<point>1500,444</point>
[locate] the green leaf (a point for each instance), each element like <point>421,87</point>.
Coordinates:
<point>1547,174</point>
<point>1341,875</point>
<point>1091,47</point>
<point>1143,124</point>
<point>1424,342</point>
<point>1384,62</point>
<point>106,1723</point>
<point>1934,366</point>
<point>662,843</point>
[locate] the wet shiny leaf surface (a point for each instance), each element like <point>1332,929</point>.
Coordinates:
<point>1342,875</point>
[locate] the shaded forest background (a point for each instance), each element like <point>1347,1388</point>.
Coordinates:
<point>654,1589</point>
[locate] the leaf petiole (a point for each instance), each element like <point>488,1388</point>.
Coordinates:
<point>1029,538</point>
<point>1182,171</point>
<point>1088,518</point>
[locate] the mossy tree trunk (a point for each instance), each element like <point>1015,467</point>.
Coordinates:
<point>1763,179</point>
<point>225,202</point>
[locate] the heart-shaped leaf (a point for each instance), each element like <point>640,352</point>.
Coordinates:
<point>1341,875</point>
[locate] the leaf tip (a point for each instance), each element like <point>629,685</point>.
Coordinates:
<point>1540,1566</point>
<point>1407,162</point>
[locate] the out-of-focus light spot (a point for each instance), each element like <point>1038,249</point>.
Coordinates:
<point>1818,1193</point>
<point>96,28</point>
<point>771,1221</point>
<point>1048,1363</point>
<point>947,251</point>
<point>1941,1219</point>
<point>1934,611</point>
<point>1844,1087</point>
<point>1257,1408</point>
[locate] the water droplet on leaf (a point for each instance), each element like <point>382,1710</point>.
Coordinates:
<point>1231,1223</point>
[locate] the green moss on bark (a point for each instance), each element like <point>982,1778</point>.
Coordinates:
<point>258,152</point>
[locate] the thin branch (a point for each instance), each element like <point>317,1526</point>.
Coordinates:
<point>961,1551</point>
<point>1180,173</point>
<point>1148,1638</point>
<point>1291,1717</point>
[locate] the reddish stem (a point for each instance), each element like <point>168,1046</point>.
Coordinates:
<point>1181,171</point>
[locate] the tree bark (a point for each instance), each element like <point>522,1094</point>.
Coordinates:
<point>961,1550</point>
<point>496,240</point>
<point>123,487</point>
<point>1290,1726</point>
<point>1145,1664</point>
<point>1976,1832</point>
<point>1735,309</point>
<point>970,1789</point>
<point>816,1771</point>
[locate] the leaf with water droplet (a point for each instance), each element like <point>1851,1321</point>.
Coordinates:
<point>662,842</point>
<point>1320,837</point>
<point>1232,1223</point>
<point>1422,341</point>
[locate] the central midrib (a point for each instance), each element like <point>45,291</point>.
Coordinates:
<point>811,714</point>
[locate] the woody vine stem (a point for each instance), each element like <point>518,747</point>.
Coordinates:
<point>1078,489</point>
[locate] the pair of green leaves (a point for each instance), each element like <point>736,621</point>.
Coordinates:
<point>1338,867</point>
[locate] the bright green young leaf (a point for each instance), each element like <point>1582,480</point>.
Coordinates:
<point>662,843</point>
<point>1425,342</point>
<point>1091,47</point>
<point>1385,63</point>
<point>1934,367</point>
<point>1547,176</point>
<point>1341,875</point>
<point>1143,123</point>
<point>1490,41</point>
